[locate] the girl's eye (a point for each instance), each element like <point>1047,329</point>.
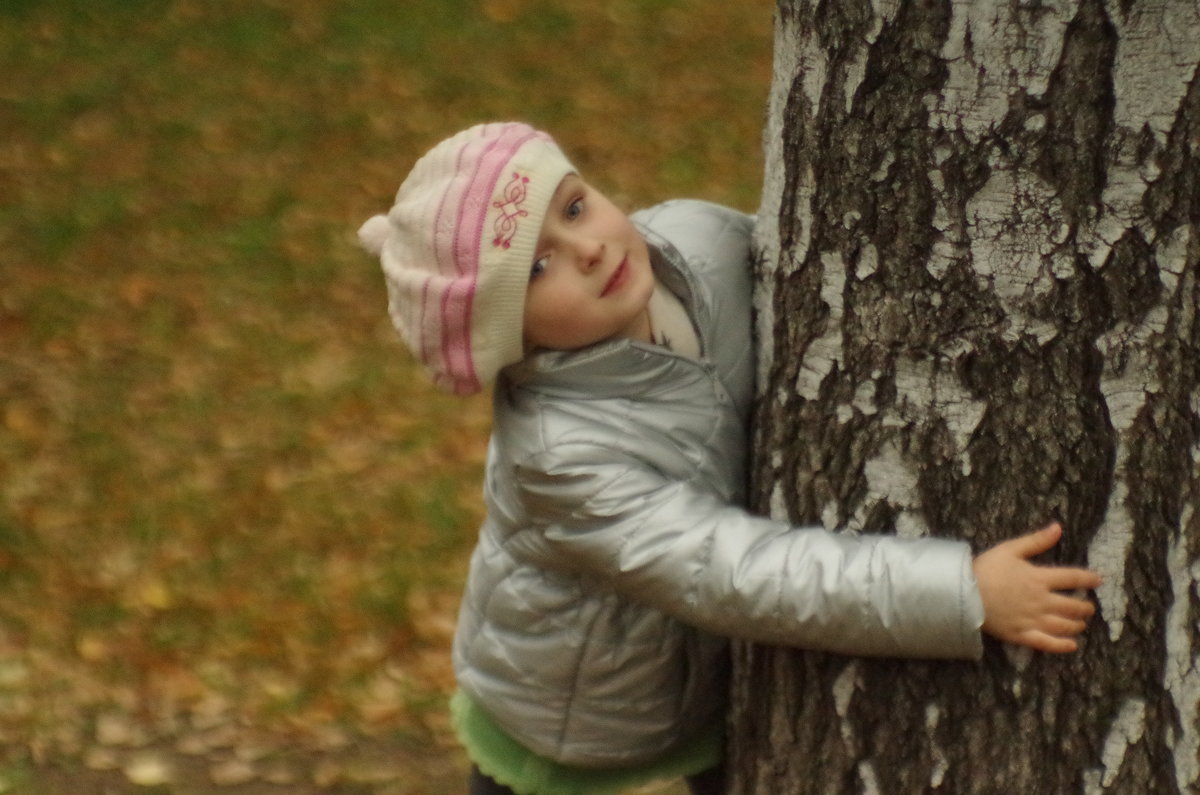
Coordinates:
<point>538,268</point>
<point>574,209</point>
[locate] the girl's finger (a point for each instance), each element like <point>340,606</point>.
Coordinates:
<point>1042,641</point>
<point>1062,578</point>
<point>1037,542</point>
<point>1062,627</point>
<point>1069,606</point>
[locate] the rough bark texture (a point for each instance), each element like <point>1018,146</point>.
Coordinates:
<point>980,240</point>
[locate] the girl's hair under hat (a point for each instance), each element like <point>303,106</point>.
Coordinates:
<point>458,244</point>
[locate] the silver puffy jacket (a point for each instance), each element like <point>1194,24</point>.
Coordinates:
<point>615,555</point>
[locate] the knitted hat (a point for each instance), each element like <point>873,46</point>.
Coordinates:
<point>457,247</point>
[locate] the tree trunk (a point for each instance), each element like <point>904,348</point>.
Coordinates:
<point>980,238</point>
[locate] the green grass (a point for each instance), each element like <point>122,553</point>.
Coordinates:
<point>217,462</point>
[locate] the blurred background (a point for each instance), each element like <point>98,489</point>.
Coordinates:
<point>234,517</point>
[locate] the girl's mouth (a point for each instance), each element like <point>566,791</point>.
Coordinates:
<point>617,279</point>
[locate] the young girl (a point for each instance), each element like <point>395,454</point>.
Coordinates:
<point>616,558</point>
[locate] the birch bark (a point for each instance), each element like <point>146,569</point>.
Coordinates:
<point>978,291</point>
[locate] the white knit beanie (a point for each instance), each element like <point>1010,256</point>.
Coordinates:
<point>458,245</point>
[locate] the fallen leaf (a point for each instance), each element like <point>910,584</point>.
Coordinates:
<point>232,772</point>
<point>280,775</point>
<point>101,759</point>
<point>136,289</point>
<point>13,673</point>
<point>372,772</point>
<point>503,10</point>
<point>327,772</point>
<point>117,729</point>
<point>148,770</point>
<point>152,593</point>
<point>24,421</point>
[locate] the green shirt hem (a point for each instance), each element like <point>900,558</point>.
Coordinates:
<point>508,762</point>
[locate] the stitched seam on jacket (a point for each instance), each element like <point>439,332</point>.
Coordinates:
<point>568,710</point>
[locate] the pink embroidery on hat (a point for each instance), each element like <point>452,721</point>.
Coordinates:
<point>510,210</point>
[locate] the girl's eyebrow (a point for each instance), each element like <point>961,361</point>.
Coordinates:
<point>564,189</point>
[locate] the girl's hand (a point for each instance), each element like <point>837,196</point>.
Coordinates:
<point>1023,602</point>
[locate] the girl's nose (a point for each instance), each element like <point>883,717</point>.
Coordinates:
<point>589,252</point>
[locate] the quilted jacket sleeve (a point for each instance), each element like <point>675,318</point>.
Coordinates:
<point>715,566</point>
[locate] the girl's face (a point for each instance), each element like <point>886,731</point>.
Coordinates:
<point>591,279</point>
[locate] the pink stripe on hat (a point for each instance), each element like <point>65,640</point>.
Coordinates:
<point>470,238</point>
<point>443,234</point>
<point>452,256</point>
<point>473,211</point>
<point>422,312</point>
